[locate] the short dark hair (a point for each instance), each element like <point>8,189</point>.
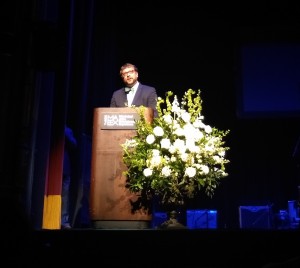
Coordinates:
<point>127,65</point>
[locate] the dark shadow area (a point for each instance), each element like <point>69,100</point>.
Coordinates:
<point>74,49</point>
<point>161,248</point>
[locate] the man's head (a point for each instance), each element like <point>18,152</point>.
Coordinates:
<point>129,74</point>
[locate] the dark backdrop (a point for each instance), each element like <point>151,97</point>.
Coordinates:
<point>198,46</point>
<point>176,47</point>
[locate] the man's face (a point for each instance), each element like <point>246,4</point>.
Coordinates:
<point>129,76</point>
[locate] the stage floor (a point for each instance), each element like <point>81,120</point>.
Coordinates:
<point>154,248</point>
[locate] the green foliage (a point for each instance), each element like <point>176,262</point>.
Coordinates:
<point>176,157</point>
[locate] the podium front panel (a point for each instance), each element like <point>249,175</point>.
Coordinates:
<point>110,200</point>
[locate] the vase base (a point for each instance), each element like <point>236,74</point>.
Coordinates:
<point>172,223</point>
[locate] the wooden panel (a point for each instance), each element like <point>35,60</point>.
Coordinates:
<point>110,200</point>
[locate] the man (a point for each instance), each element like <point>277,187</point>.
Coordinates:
<point>134,93</point>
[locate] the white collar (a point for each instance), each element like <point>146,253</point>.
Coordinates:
<point>134,88</point>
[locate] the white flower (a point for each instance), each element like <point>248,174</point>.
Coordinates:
<point>190,172</point>
<point>179,145</point>
<point>165,143</point>
<point>186,116</point>
<point>205,169</point>
<point>177,156</point>
<point>175,105</point>
<point>173,158</point>
<point>198,135</point>
<point>197,123</point>
<point>167,118</point>
<point>200,123</point>
<point>179,131</point>
<point>217,159</point>
<point>222,153</point>
<point>155,152</point>
<point>147,172</point>
<point>155,161</point>
<point>209,148</point>
<point>184,157</point>
<point>172,149</point>
<point>158,131</point>
<point>207,129</point>
<point>150,139</point>
<point>193,148</point>
<point>188,130</point>
<point>166,171</point>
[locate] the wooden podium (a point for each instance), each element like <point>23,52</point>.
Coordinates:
<point>110,200</point>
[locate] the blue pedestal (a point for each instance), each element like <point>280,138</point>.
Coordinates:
<point>202,219</point>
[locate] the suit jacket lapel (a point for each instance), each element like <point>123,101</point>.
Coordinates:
<point>124,96</point>
<point>137,95</point>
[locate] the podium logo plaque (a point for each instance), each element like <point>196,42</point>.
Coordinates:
<point>116,120</point>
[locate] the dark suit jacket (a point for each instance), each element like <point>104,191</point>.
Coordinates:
<point>145,96</point>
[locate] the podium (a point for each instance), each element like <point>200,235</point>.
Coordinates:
<point>110,200</point>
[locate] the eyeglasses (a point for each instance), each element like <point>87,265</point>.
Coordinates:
<point>129,72</point>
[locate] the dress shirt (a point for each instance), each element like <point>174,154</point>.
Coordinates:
<point>131,94</point>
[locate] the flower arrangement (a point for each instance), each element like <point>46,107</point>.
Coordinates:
<point>177,155</point>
